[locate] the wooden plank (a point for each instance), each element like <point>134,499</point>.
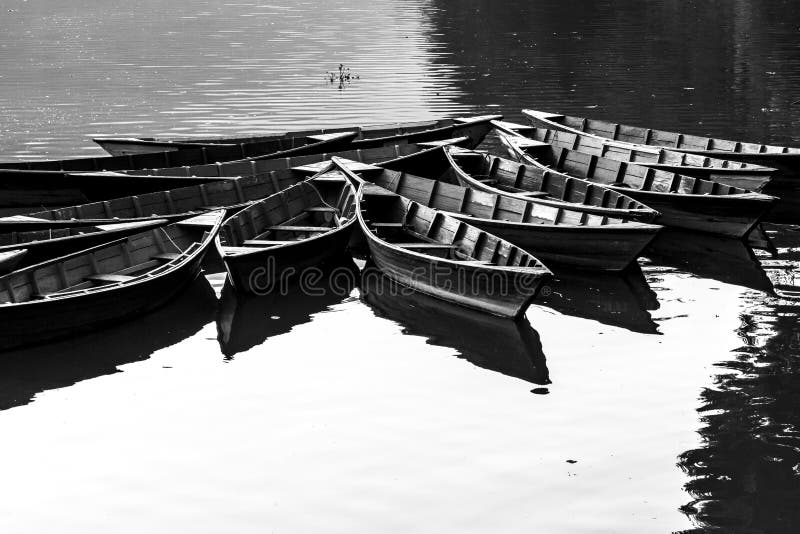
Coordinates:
<point>110,278</point>
<point>288,228</point>
<point>265,242</point>
<point>427,246</point>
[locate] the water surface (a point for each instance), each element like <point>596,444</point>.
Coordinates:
<point>664,400</point>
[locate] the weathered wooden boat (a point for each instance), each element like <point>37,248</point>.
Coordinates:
<point>10,259</point>
<point>258,180</point>
<point>245,320</point>
<point>282,147</point>
<point>43,245</point>
<point>441,256</point>
<point>512,348</point>
<point>243,168</point>
<point>103,284</point>
<point>622,299</point>
<point>746,176</point>
<point>24,188</point>
<point>541,186</point>
<point>275,239</point>
<point>785,159</point>
<point>785,183</point>
<point>682,201</point>
<point>557,236</point>
<point>475,128</point>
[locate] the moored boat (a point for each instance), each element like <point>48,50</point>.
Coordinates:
<point>682,201</point>
<point>275,239</point>
<point>284,147</point>
<point>785,183</point>
<point>372,136</point>
<point>558,236</point>
<point>42,245</point>
<point>103,284</point>
<point>441,256</point>
<point>247,182</point>
<point>494,174</point>
<point>785,159</point>
<point>746,176</point>
<point>30,188</point>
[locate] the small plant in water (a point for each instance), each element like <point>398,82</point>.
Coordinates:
<point>343,77</point>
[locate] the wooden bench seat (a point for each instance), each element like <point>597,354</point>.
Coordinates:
<point>426,246</point>
<point>111,278</point>
<point>288,228</point>
<point>265,243</point>
<point>168,256</point>
<point>321,209</point>
<point>387,224</point>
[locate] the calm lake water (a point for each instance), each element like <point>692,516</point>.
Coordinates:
<point>662,401</point>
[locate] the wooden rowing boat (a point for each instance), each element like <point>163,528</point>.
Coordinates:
<point>785,159</point>
<point>475,128</point>
<point>275,239</point>
<point>24,188</point>
<point>242,168</point>
<point>248,182</point>
<point>282,147</point>
<point>541,186</point>
<point>512,348</point>
<point>682,201</point>
<point>441,256</point>
<point>103,284</point>
<point>746,176</point>
<point>43,245</point>
<point>784,184</point>
<point>558,236</point>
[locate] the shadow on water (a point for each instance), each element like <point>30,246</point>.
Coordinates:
<point>723,259</point>
<point>512,348</point>
<point>616,299</point>
<point>245,321</point>
<point>746,474</point>
<point>27,372</point>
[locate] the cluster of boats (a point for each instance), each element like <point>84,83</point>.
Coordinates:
<point>89,241</point>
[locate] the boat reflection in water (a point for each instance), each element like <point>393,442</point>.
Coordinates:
<point>244,321</point>
<point>26,372</point>
<point>746,473</point>
<point>506,346</point>
<point>726,260</point>
<point>617,299</point>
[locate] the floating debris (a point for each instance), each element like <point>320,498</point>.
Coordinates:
<point>343,77</point>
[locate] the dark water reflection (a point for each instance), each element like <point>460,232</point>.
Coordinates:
<point>512,348</point>
<point>726,68</point>
<point>26,372</point>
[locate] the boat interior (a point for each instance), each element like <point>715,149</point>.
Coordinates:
<point>122,261</point>
<point>302,211</point>
<point>534,182</point>
<point>412,226</point>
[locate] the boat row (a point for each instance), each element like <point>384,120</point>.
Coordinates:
<point>472,228</point>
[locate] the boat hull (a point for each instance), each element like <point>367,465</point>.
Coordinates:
<point>603,248</point>
<point>46,320</point>
<point>725,215</point>
<point>271,270</point>
<point>505,294</point>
